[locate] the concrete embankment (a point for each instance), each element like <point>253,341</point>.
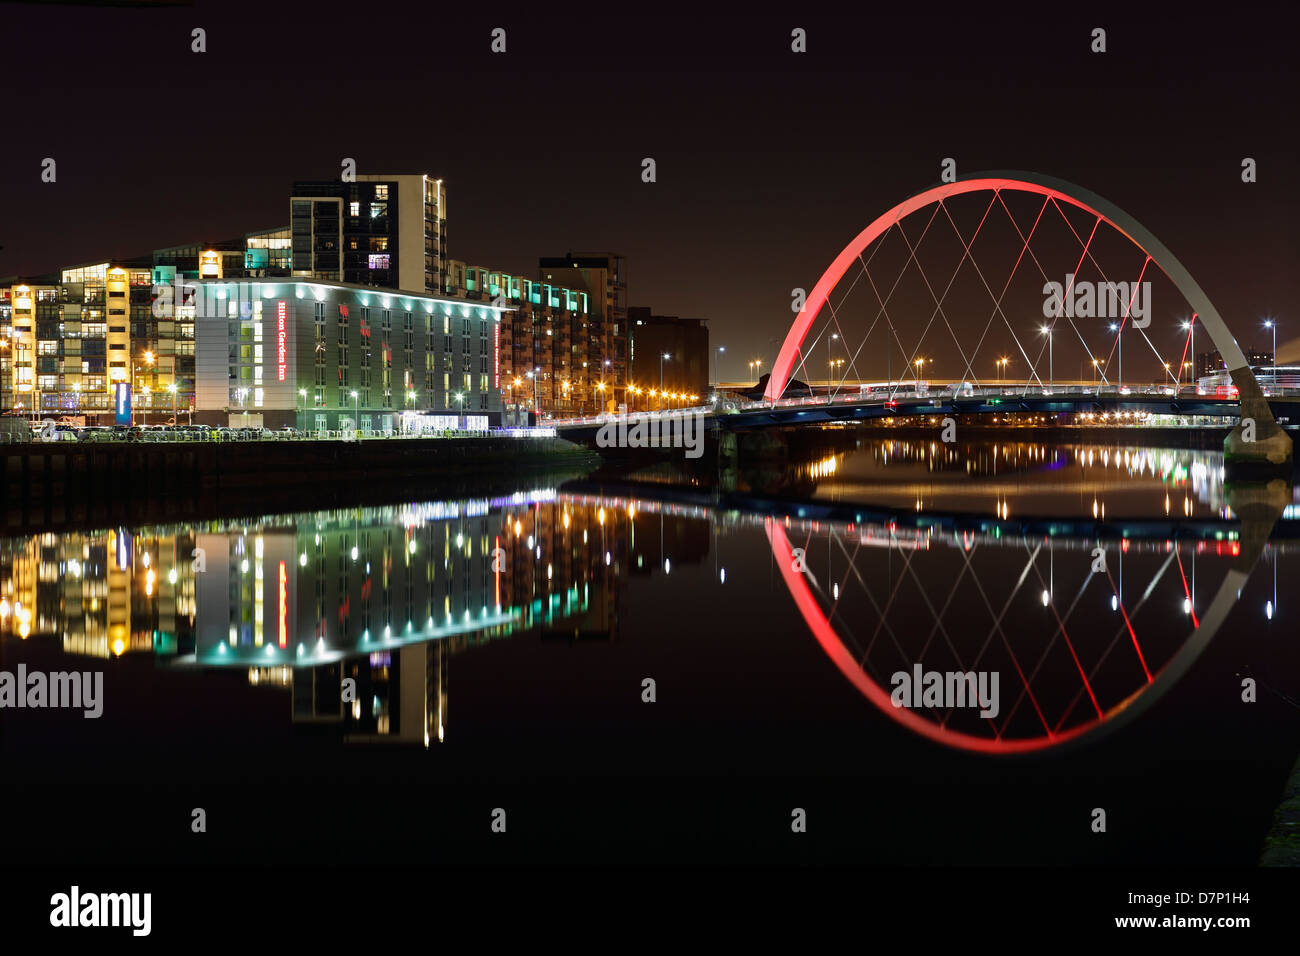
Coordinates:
<point>53,485</point>
<point>1282,845</point>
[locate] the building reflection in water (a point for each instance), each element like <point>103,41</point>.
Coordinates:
<point>386,597</point>
<point>380,596</point>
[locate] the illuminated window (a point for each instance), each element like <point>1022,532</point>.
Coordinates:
<point>381,192</point>
<point>354,209</point>
<point>378,210</point>
<point>379,260</point>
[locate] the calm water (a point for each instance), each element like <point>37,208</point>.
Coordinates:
<point>494,652</point>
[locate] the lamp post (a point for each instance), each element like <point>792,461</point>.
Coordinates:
<point>1270,324</point>
<point>148,360</point>
<point>1051,372</point>
<point>533,376</point>
<point>302,393</point>
<point>717,380</point>
<point>1119,339</point>
<point>830,363</point>
<point>1190,328</point>
<point>171,388</point>
<point>4,344</point>
<point>664,356</point>
<point>356,424</point>
<point>76,391</point>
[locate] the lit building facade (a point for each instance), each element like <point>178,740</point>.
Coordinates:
<point>382,230</point>
<point>545,362</point>
<point>325,356</point>
<point>73,337</point>
<point>604,277</point>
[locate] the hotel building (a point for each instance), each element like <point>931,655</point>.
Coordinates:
<point>325,356</point>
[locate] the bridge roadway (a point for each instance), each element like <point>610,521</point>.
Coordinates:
<point>1074,399</point>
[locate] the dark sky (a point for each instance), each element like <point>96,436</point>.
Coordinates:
<point>768,162</point>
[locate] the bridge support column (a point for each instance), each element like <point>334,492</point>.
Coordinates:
<point>1257,439</point>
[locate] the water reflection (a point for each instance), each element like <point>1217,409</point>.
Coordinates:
<point>1027,478</point>
<point>355,614</point>
<point>883,600</point>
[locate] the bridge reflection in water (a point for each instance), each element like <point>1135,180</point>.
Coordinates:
<point>1086,618</point>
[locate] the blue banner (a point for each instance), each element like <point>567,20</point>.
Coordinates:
<point>122,402</point>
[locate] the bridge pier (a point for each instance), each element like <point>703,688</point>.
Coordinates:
<point>1257,439</point>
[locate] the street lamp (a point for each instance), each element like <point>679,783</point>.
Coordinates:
<point>1190,328</point>
<point>356,397</point>
<point>171,388</point>
<point>533,376</point>
<point>76,390</point>
<point>1119,339</point>
<point>1270,324</point>
<point>920,364</point>
<point>148,360</point>
<point>717,380</point>
<point>830,338</point>
<point>1051,373</point>
<point>662,358</point>
<point>4,344</point>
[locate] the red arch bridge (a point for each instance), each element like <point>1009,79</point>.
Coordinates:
<point>1009,277</point>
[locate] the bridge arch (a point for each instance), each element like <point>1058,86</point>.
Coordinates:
<point>1253,403</point>
<point>1259,509</point>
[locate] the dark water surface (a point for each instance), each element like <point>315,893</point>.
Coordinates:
<point>771,609</point>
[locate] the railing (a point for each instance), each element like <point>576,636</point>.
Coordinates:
<point>51,431</point>
<point>938,394</point>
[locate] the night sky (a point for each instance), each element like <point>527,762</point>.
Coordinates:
<point>768,162</point>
